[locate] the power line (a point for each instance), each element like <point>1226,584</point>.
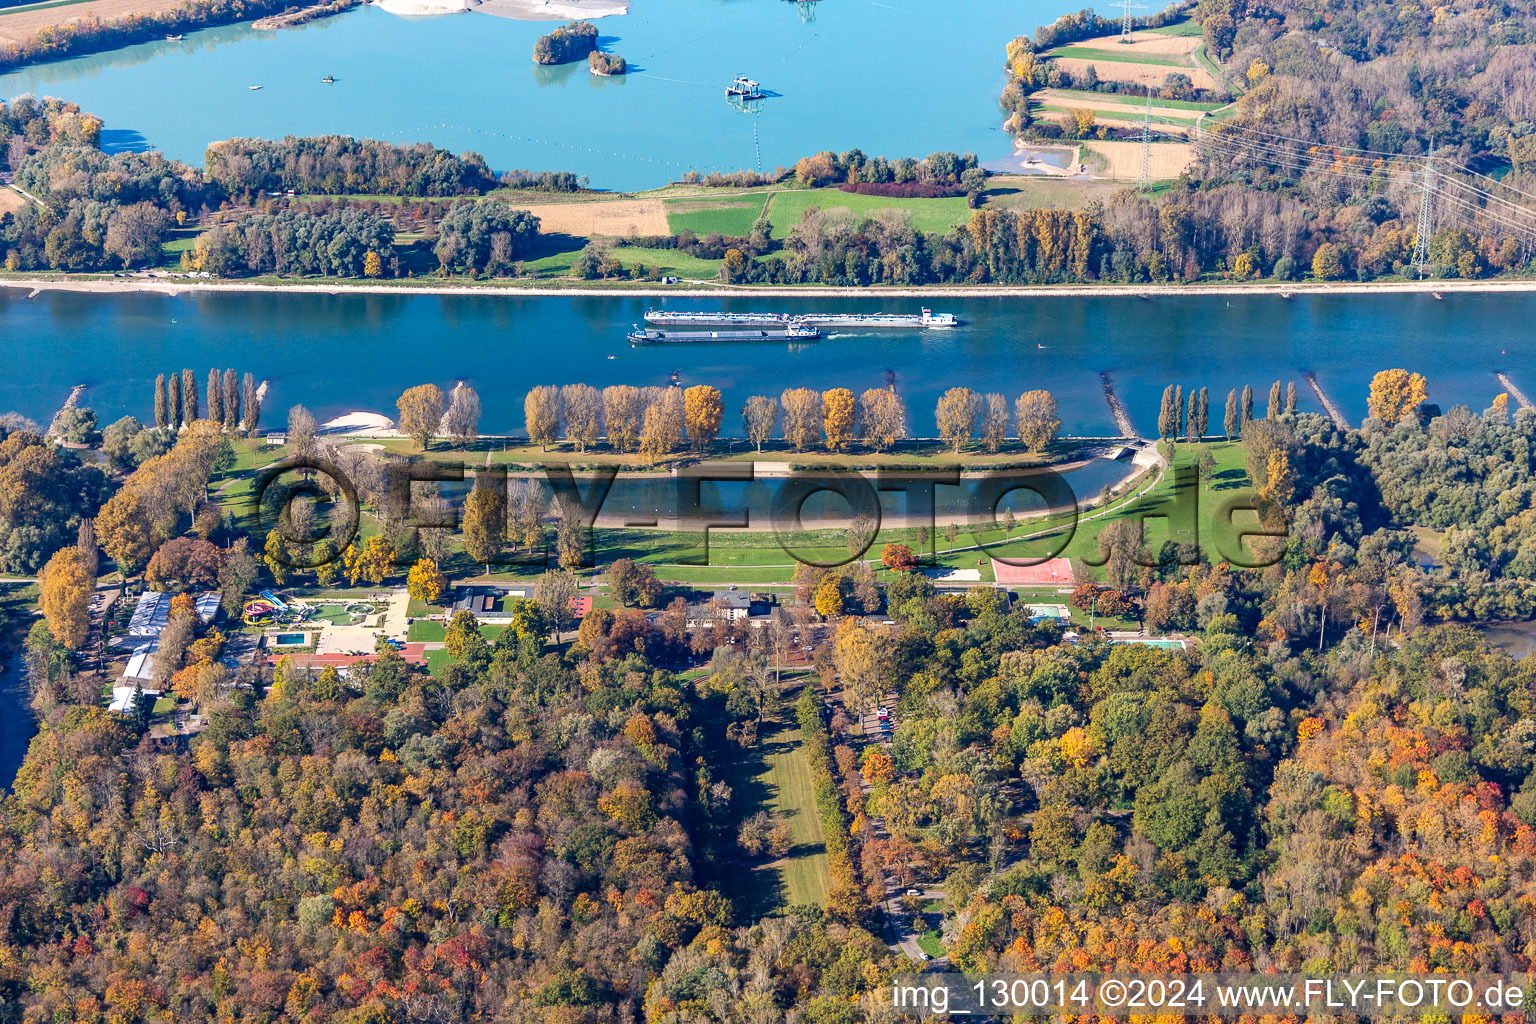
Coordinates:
<point>1426,214</point>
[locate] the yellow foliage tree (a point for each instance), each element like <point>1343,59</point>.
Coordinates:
<point>829,596</point>
<point>66,597</point>
<point>1395,394</point>
<point>426,582</point>
<point>122,530</point>
<point>702,412</point>
<point>837,417</point>
<point>373,266</point>
<point>372,563</point>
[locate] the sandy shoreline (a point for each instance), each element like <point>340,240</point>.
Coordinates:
<point>166,287</point>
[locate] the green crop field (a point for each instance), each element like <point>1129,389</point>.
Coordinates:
<point>936,215</point>
<point>733,216</point>
<point>1122,115</point>
<point>1092,53</point>
<point>1180,28</point>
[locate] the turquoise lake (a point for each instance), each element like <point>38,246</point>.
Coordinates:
<point>336,353</point>
<point>898,78</point>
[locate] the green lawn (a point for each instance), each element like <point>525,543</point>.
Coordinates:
<point>1089,96</point>
<point>1178,28</point>
<point>431,631</point>
<point>931,942</point>
<point>668,261</point>
<point>733,216</point>
<point>1114,57</point>
<point>788,780</point>
<point>935,215</point>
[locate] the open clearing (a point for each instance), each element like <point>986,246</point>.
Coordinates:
<point>794,795</point>
<point>1139,74</point>
<point>732,216</point>
<point>1144,43</point>
<point>619,218</point>
<point>937,215</point>
<point>11,201</point>
<point>1123,159</point>
<point>18,26</point>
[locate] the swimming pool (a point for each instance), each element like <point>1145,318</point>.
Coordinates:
<point>291,640</point>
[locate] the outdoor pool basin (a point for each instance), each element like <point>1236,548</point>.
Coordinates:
<point>291,640</point>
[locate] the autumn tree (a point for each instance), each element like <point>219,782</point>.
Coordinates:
<point>65,586</point>
<point>1230,423</point>
<point>231,400</point>
<point>829,596</point>
<point>702,413</point>
<point>123,530</point>
<point>624,414</point>
<point>759,419</point>
<point>582,405</point>
<point>633,583</point>
<point>462,420</point>
<point>898,558</point>
<point>162,403</point>
<point>372,562</point>
<point>189,400</point>
<point>421,413</point>
<point>250,398</point>
<point>994,421</point>
<point>662,432</point>
<point>882,418</point>
<point>484,525</point>
<point>303,433</point>
<point>1246,416</point>
<point>214,391</point>
<point>837,417</point>
<point>1275,399</point>
<point>1036,420</point>
<point>862,657</point>
<point>541,413</point>
<point>956,416</point>
<point>1396,393</point>
<point>802,413</point>
<point>425,582</point>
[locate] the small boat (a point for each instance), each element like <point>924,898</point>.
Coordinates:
<point>173,39</point>
<point>253,88</point>
<point>744,88</point>
<point>328,80</point>
<point>1438,296</point>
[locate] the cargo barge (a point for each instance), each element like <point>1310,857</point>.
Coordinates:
<point>927,318</point>
<point>788,332</point>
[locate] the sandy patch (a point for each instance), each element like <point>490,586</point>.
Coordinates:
<point>370,423</point>
<point>11,201</point>
<point>20,26</point>
<point>1140,74</point>
<point>1151,43</point>
<point>553,10</point>
<point>1124,158</point>
<point>620,218</point>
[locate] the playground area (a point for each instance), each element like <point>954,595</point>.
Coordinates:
<point>328,623</point>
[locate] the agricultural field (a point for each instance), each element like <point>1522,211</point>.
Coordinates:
<point>615,218</point>
<point>732,216</point>
<point>1122,160</point>
<point>11,201</point>
<point>22,24</point>
<point>936,215</point>
<point>1146,60</point>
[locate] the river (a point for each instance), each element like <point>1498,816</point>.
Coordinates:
<point>898,78</point>
<point>337,353</point>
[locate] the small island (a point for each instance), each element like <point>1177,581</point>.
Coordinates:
<point>566,43</point>
<point>600,63</point>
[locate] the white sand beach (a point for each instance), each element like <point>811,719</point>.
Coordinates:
<point>369,424</point>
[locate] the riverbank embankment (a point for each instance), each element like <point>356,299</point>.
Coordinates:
<point>1288,290</point>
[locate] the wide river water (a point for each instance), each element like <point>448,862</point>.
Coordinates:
<point>899,78</point>
<point>337,353</point>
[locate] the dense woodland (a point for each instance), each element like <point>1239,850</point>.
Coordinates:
<point>544,832</point>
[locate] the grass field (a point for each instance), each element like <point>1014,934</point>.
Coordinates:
<point>1181,28</point>
<point>1114,57</point>
<point>792,793</point>
<point>431,631</point>
<point>937,215</point>
<point>1121,99</point>
<point>931,942</point>
<point>1121,116</point>
<point>733,216</point>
